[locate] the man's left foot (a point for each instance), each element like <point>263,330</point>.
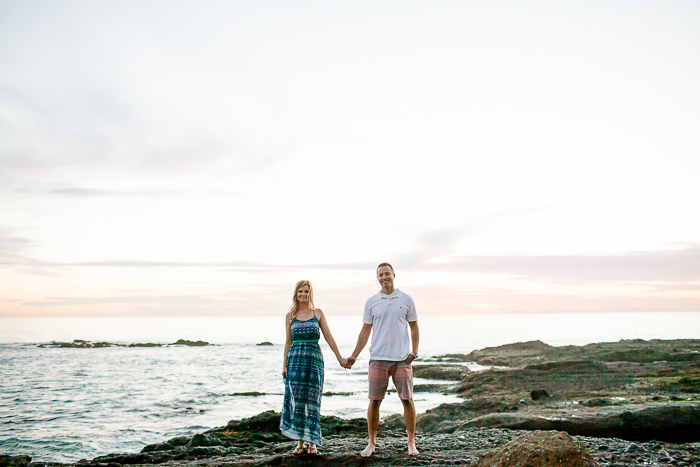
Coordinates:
<point>412,450</point>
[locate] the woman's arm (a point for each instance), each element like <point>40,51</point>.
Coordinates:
<point>288,343</point>
<point>329,337</point>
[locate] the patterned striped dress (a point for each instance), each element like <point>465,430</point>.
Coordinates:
<point>301,413</point>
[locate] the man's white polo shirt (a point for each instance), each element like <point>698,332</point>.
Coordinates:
<point>389,316</point>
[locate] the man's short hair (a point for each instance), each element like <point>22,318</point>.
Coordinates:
<point>386,264</point>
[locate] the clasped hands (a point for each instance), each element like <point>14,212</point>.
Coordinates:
<point>346,362</point>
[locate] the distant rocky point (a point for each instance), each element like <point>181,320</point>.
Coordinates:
<point>191,343</point>
<point>83,344</point>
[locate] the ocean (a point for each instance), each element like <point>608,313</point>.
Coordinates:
<point>66,404</point>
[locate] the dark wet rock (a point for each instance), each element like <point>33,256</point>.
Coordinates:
<point>434,388</point>
<point>204,439</point>
<point>471,408</point>
<point>248,394</point>
<point>574,366</point>
<point>159,447</point>
<point>83,344</point>
<point>539,394</point>
<point>440,371</point>
<point>539,449</point>
<point>347,460</point>
<point>447,358</point>
<point>128,459</point>
<point>14,461</point>
<point>76,344</point>
<point>669,422</point>
<point>446,418</point>
<point>179,441</point>
<point>634,447</point>
<point>636,400</point>
<point>199,452</point>
<point>331,393</point>
<point>265,421</point>
<point>191,343</point>
<point>510,354</point>
<point>580,379</point>
<point>630,351</point>
<point>265,343</point>
<point>331,425</point>
<point>604,402</point>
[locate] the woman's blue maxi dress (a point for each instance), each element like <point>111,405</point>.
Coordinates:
<point>301,413</point>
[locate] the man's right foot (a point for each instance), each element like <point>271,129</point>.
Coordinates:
<point>368,451</point>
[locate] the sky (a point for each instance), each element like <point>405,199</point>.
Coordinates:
<point>171,158</point>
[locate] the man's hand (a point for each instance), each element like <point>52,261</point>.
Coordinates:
<point>411,357</point>
<point>350,361</point>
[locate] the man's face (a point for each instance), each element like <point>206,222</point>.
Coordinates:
<point>385,276</point>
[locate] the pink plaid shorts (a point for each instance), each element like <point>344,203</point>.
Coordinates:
<point>401,373</point>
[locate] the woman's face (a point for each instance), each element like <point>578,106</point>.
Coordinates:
<point>303,294</point>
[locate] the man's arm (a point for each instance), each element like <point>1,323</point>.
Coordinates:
<point>361,342</point>
<point>415,338</point>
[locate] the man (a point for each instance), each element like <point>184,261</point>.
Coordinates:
<point>389,313</point>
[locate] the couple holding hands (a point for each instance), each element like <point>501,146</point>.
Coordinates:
<point>388,317</point>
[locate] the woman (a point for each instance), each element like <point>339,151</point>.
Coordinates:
<point>303,370</point>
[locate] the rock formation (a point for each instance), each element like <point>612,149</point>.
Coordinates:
<point>539,449</point>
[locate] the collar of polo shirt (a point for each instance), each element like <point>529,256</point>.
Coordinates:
<point>395,294</point>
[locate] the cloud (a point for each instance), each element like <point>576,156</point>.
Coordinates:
<point>11,245</point>
<point>433,244</point>
<point>12,254</point>
<point>681,265</point>
<point>77,192</point>
<point>169,300</point>
<point>672,266</point>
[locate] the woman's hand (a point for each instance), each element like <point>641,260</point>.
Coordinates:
<point>343,361</point>
<point>284,371</point>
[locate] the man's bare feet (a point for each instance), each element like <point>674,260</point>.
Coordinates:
<point>369,450</point>
<point>412,450</point>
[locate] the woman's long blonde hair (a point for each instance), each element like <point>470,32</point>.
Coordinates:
<point>295,303</point>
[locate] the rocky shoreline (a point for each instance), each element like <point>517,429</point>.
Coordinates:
<point>626,403</point>
<point>256,442</point>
